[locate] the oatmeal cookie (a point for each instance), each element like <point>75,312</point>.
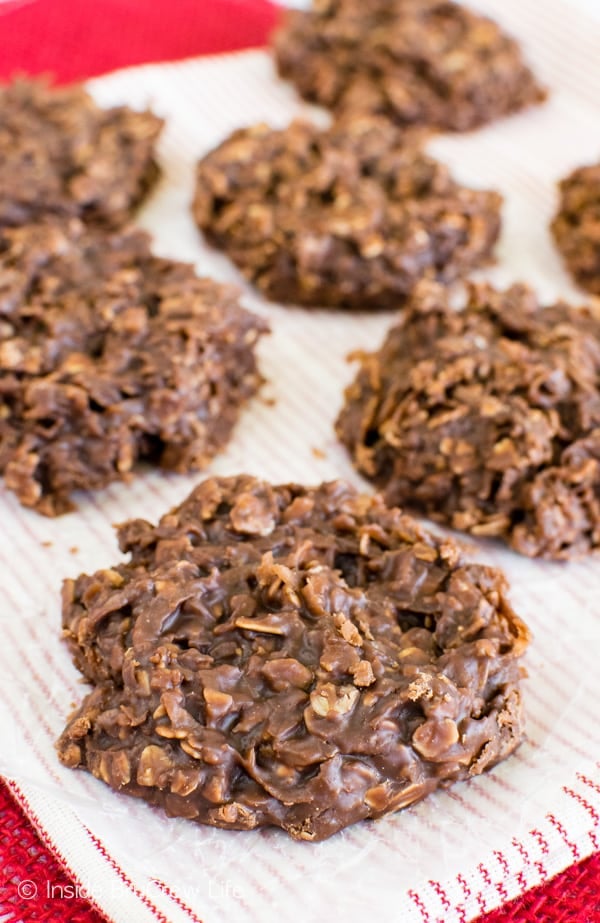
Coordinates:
<point>486,419</point>
<point>290,656</point>
<point>350,217</point>
<point>62,154</point>
<point>576,227</point>
<point>429,62</point>
<point>109,356</point>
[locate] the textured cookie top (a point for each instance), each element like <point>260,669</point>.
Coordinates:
<point>576,226</point>
<point>290,656</point>
<point>487,419</point>
<point>431,62</point>
<point>108,355</point>
<point>352,216</point>
<point>61,154</point>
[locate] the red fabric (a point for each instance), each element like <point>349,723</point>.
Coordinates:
<point>73,39</point>
<point>572,897</point>
<point>26,869</point>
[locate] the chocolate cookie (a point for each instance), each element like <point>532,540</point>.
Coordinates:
<point>286,656</point>
<point>110,355</point>
<point>350,217</point>
<point>61,154</point>
<point>486,419</point>
<point>576,227</point>
<point>431,62</point>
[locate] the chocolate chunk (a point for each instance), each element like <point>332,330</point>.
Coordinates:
<point>278,655</point>
<point>350,217</point>
<point>576,227</point>
<point>415,61</point>
<point>109,356</point>
<point>61,154</point>
<point>486,419</point>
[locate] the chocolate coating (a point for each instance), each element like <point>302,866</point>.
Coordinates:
<point>350,217</point>
<point>110,356</point>
<point>62,154</point>
<point>279,655</point>
<point>486,419</point>
<point>576,227</point>
<point>429,62</point>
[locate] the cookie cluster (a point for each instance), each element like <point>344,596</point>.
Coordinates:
<point>109,356</point>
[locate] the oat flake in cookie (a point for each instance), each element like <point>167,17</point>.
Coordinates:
<point>110,356</point>
<point>62,154</point>
<point>427,62</point>
<point>576,227</point>
<point>287,656</point>
<point>486,419</point>
<point>350,217</point>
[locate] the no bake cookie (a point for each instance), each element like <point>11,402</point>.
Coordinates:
<point>486,419</point>
<point>576,227</point>
<point>348,217</point>
<point>62,154</point>
<point>428,62</point>
<point>279,655</point>
<point>109,356</point>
